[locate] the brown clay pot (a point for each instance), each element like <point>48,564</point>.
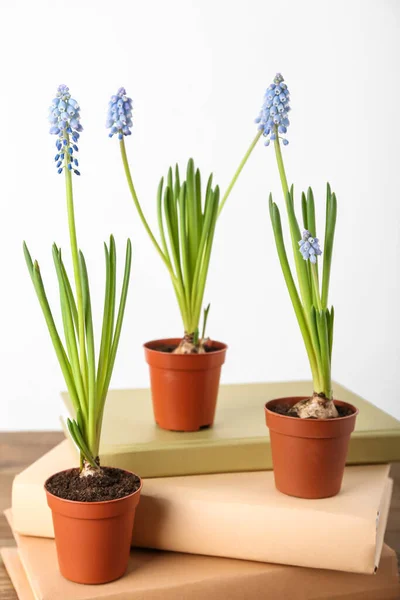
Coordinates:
<point>309,455</point>
<point>93,539</point>
<point>184,387</point>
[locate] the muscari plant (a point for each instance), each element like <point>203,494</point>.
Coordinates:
<point>310,296</point>
<point>86,381</point>
<point>187,218</point>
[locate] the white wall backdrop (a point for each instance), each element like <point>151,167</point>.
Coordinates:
<point>197,71</point>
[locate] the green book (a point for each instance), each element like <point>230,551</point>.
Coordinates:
<point>239,439</point>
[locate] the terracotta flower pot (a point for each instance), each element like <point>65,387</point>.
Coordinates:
<point>93,539</point>
<point>184,387</point>
<point>309,455</point>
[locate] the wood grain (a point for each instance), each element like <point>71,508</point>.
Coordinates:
<point>19,449</point>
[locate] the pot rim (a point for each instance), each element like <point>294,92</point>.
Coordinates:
<point>98,502</point>
<point>177,340</point>
<point>298,398</point>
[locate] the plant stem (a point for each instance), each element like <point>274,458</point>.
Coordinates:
<point>281,166</point>
<point>178,288</point>
<point>238,171</point>
<point>77,275</point>
<point>302,276</point>
<point>138,207</point>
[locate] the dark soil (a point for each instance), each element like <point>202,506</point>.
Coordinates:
<point>284,409</point>
<point>110,484</point>
<point>169,348</point>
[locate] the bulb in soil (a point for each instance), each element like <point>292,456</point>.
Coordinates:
<point>89,471</point>
<point>187,346</point>
<point>317,407</point>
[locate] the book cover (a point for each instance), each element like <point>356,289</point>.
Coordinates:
<point>237,515</point>
<point>239,440</point>
<point>154,575</point>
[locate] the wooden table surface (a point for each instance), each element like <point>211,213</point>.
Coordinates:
<point>19,449</point>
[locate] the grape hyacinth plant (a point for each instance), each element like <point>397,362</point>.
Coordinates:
<point>87,383</point>
<point>186,219</point>
<point>310,296</point>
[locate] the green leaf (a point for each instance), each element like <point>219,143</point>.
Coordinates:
<point>108,314</point>
<point>28,259</point>
<point>323,336</point>
<point>205,318</point>
<point>177,184</point>
<point>198,202</point>
<point>184,252</point>
<point>160,220</point>
<point>70,294</point>
<point>205,262</point>
<point>118,325</point>
<point>292,289</point>
<point>93,441</point>
<point>330,319</point>
<point>69,332</point>
<point>192,215</point>
<point>311,213</point>
<point>55,338</point>
<point>77,436</point>
<point>304,210</point>
<point>169,207</point>
<point>208,226</point>
<point>301,264</point>
<point>330,225</point>
<point>173,208</point>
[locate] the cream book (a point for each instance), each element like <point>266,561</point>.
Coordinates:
<point>237,515</point>
<point>239,440</point>
<point>154,575</point>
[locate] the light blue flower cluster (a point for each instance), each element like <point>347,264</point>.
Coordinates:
<point>65,123</point>
<point>119,115</point>
<point>309,247</point>
<point>273,118</point>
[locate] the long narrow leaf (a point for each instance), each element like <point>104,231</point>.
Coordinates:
<point>160,220</point>
<point>173,208</point>
<point>172,233</point>
<point>331,321</point>
<point>191,212</point>
<point>80,442</point>
<point>330,224</point>
<point>117,333</point>
<point>304,210</point>
<point>202,278</point>
<point>209,212</point>
<point>28,259</point>
<point>55,338</point>
<point>69,332</point>
<point>92,437</point>
<point>325,352</point>
<point>311,213</point>
<point>70,294</point>
<point>293,293</point>
<point>315,340</point>
<point>198,202</point>
<point>301,267</point>
<point>184,248</point>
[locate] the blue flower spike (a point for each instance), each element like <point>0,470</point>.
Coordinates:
<point>65,123</point>
<point>309,247</point>
<point>273,119</point>
<point>119,115</point>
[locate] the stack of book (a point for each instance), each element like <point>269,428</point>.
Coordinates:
<point>210,523</point>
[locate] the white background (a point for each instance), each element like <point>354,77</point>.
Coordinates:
<point>197,71</point>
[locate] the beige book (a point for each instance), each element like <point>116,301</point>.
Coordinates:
<point>237,515</point>
<point>154,575</point>
<point>239,440</point>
